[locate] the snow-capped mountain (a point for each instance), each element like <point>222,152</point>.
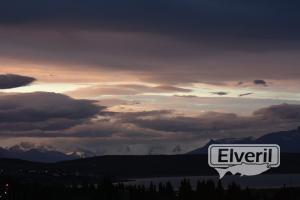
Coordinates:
<point>80,153</point>
<point>41,153</point>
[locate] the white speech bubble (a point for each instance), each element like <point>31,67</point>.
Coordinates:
<point>243,159</point>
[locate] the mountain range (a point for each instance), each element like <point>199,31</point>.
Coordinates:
<point>30,152</point>
<point>289,141</point>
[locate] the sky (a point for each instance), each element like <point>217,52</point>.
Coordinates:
<point>146,77</point>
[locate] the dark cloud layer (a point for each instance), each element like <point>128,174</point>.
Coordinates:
<point>169,43</point>
<point>164,42</point>
<point>214,124</point>
<point>282,111</point>
<point>43,111</point>
<point>56,115</point>
<point>234,18</point>
<point>220,93</point>
<point>186,96</point>
<point>245,94</point>
<point>260,82</point>
<point>8,81</point>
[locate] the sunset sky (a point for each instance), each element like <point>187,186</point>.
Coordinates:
<point>139,77</point>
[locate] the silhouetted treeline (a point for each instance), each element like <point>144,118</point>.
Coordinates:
<point>106,190</point>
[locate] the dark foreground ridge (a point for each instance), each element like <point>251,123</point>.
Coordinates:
<point>121,167</point>
<point>102,177</point>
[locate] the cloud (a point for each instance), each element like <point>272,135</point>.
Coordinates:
<point>218,124</point>
<point>38,112</point>
<point>111,128</point>
<point>170,122</point>
<point>260,82</point>
<point>283,112</point>
<point>51,115</point>
<point>54,115</point>
<point>186,96</point>
<point>169,88</point>
<point>8,81</point>
<point>245,94</point>
<point>171,42</point>
<point>161,125</point>
<point>124,89</point>
<point>220,93</point>
<point>240,19</point>
<point>165,128</point>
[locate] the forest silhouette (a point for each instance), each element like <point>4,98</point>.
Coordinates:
<point>106,190</point>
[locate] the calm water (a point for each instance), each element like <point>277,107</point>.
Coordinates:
<point>259,181</point>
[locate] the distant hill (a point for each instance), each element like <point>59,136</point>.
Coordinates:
<point>289,141</point>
